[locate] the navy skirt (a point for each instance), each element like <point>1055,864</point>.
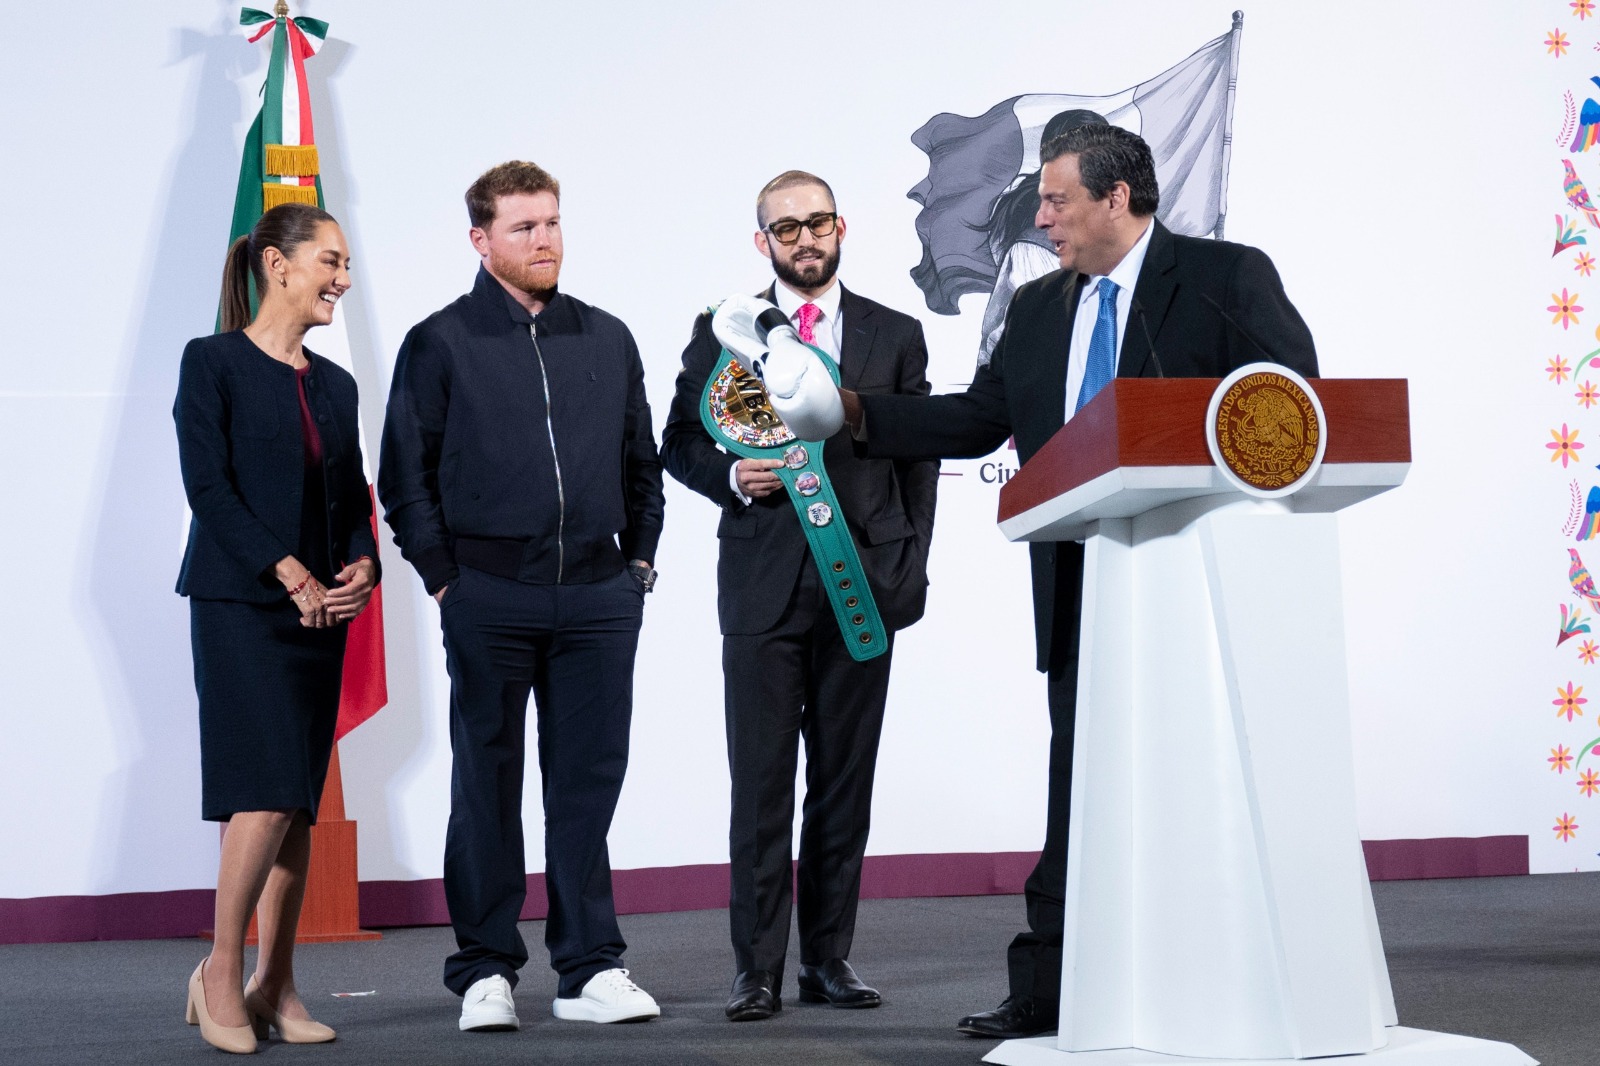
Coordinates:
<point>269,701</point>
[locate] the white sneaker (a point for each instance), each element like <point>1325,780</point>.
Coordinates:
<point>608,997</point>
<point>487,1007</point>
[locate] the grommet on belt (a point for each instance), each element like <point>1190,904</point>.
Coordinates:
<point>851,601</point>
<point>838,566</point>
<point>866,638</point>
<point>858,619</point>
<point>845,584</point>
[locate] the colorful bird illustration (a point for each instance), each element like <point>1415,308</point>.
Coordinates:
<point>1571,624</point>
<point>1582,581</point>
<point>1567,235</point>
<point>1590,527</point>
<point>1588,125</point>
<point>1577,195</point>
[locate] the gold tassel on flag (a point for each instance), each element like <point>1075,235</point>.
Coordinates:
<point>274,193</point>
<point>292,160</point>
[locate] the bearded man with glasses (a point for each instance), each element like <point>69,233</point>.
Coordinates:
<point>788,675</point>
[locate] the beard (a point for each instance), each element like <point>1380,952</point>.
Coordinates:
<point>812,274</point>
<point>517,272</point>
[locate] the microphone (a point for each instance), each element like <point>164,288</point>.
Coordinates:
<point>1242,331</point>
<point>1138,309</point>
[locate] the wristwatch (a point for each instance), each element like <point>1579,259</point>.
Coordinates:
<point>643,574</point>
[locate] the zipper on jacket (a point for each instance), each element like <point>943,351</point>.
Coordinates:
<point>550,427</point>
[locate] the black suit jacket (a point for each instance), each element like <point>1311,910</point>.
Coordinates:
<point>888,504</point>
<point>240,449</point>
<point>1022,392</point>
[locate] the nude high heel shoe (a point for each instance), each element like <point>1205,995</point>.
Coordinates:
<point>241,1040</point>
<point>292,1030</point>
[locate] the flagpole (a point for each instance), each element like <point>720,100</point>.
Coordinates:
<point>1227,123</point>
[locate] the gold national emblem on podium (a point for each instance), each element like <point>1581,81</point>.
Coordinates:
<point>1266,428</point>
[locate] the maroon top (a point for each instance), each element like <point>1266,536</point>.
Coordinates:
<point>308,425</point>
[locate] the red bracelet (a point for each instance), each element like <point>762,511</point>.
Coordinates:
<point>296,590</point>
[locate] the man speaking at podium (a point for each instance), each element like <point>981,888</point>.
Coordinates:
<point>1131,299</point>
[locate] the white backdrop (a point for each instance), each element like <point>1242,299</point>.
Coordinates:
<point>1384,155</point>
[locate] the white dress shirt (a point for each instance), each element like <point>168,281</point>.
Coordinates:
<point>828,331</point>
<point>829,327</point>
<point>1125,276</point>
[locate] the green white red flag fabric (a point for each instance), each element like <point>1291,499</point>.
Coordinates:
<point>280,162</point>
<point>280,165</point>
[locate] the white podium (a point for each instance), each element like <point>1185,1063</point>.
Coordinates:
<point>1217,901</point>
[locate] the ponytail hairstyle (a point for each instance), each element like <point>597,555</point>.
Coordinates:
<point>285,228</point>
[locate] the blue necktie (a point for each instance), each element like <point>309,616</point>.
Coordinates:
<point>1102,365</point>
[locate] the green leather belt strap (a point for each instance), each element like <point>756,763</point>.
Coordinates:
<point>739,416</point>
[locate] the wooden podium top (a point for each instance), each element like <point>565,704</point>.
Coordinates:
<point>1141,443</point>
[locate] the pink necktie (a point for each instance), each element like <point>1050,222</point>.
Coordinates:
<point>808,315</point>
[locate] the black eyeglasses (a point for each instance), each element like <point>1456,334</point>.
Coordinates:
<point>787,230</point>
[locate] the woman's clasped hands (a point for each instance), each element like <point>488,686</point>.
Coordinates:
<point>321,607</point>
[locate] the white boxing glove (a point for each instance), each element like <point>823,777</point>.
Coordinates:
<point>801,389</point>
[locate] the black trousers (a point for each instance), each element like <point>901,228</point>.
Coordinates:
<point>573,647</point>
<point>797,683</point>
<point>1034,958</point>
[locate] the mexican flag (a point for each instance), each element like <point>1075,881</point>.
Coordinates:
<point>280,162</point>
<point>280,165</point>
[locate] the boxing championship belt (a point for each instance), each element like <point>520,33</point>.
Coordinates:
<point>738,414</point>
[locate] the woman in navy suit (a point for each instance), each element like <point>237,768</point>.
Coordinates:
<point>280,557</point>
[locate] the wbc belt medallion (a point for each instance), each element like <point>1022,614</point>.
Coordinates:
<point>739,416</point>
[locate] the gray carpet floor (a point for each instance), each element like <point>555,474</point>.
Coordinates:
<point>1514,959</point>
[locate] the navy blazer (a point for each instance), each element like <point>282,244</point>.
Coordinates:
<point>482,394</point>
<point>243,462</point>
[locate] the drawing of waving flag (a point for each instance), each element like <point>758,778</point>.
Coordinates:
<point>1185,114</point>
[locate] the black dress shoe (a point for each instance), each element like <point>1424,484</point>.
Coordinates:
<point>836,983</point>
<point>754,996</point>
<point>1018,1016</point>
